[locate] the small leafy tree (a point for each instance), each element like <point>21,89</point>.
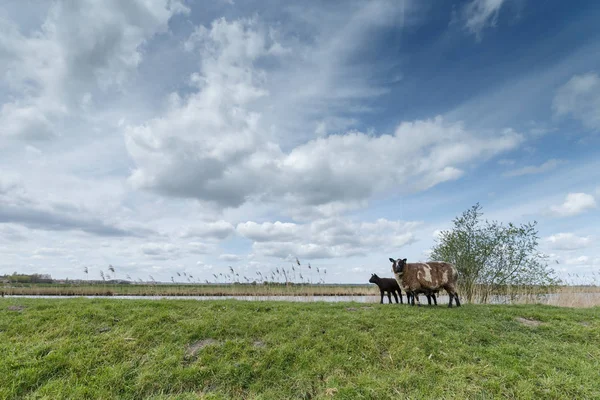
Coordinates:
<point>491,256</point>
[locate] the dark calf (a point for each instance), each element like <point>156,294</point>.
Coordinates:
<point>389,285</point>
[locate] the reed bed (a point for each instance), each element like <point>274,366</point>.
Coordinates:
<point>190,290</point>
<point>569,294</point>
<point>564,296</point>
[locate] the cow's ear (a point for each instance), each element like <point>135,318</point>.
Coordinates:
<point>404,260</point>
<point>392,260</point>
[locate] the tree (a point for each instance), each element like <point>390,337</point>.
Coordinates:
<point>490,257</point>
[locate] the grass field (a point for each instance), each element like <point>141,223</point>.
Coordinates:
<point>186,349</point>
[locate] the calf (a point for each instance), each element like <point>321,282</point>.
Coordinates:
<point>389,285</point>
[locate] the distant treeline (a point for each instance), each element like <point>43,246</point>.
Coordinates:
<point>25,278</point>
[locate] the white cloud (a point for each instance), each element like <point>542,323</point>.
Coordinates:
<point>50,251</point>
<point>536,169</point>
<point>506,161</point>
<point>567,241</point>
<point>26,122</point>
<point>216,230</point>
<point>230,257</point>
<point>80,47</point>
<point>278,132</point>
<point>157,249</point>
<point>479,14</point>
<point>66,207</point>
<point>268,231</point>
<point>581,260</point>
<point>580,98</point>
<point>575,203</point>
<point>213,146</point>
<point>327,238</point>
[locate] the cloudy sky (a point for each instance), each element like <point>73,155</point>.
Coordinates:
<point>164,136</point>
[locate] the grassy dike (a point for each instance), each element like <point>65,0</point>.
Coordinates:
<point>186,349</point>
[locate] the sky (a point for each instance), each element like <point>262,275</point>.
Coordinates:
<point>165,137</point>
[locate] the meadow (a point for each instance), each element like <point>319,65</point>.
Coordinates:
<point>220,349</point>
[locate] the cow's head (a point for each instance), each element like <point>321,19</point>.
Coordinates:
<point>398,265</point>
<point>374,278</point>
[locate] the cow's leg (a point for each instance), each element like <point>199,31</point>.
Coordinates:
<point>381,293</point>
<point>416,299</point>
<point>456,300</point>
<point>428,299</point>
<point>395,296</point>
<point>400,294</point>
<point>389,297</point>
<point>450,296</point>
<point>434,299</point>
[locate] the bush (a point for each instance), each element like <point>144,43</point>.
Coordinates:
<point>492,257</point>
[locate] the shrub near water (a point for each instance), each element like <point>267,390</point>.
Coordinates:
<point>133,349</point>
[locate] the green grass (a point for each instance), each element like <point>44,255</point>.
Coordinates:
<point>138,349</point>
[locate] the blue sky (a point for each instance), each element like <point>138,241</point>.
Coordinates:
<point>178,136</point>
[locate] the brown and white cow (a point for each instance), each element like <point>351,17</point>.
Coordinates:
<point>417,278</point>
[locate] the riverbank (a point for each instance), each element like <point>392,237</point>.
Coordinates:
<point>97,348</point>
<point>563,296</point>
<point>189,290</point>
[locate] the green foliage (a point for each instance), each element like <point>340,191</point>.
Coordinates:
<point>144,349</point>
<point>26,278</point>
<point>491,256</point>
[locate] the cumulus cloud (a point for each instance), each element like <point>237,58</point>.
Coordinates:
<point>575,203</point>
<point>20,206</point>
<point>583,261</point>
<point>172,250</point>
<point>212,145</point>
<point>580,98</point>
<point>12,233</point>
<point>50,251</point>
<point>479,14</point>
<point>567,241</point>
<point>211,230</point>
<point>230,257</point>
<point>536,169</point>
<point>327,238</point>
<point>80,47</point>
<point>268,231</point>
<point>275,134</point>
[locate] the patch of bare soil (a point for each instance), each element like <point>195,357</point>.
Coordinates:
<point>528,321</point>
<point>16,308</point>
<point>194,348</point>
<point>259,343</point>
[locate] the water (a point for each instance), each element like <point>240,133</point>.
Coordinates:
<point>559,299</point>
